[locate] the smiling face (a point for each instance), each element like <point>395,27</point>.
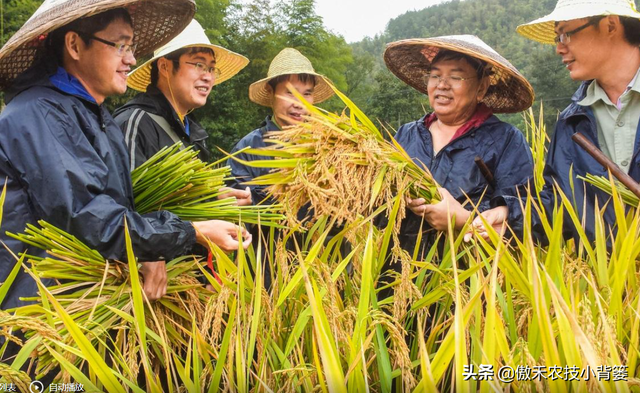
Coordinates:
<point>287,110</point>
<point>455,102</point>
<point>190,84</point>
<point>98,66</point>
<point>586,51</point>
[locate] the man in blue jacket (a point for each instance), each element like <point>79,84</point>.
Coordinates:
<point>63,155</point>
<point>599,43</point>
<point>289,66</point>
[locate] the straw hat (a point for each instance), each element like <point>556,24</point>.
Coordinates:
<point>410,60</point>
<point>542,30</point>
<point>289,61</point>
<point>229,63</point>
<point>157,22</point>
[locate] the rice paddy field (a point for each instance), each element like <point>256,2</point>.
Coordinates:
<point>346,309</point>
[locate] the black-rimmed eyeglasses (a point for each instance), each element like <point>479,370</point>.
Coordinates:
<point>121,49</point>
<point>203,69</point>
<point>565,38</point>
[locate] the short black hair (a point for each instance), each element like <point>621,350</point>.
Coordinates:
<point>304,78</point>
<point>480,66</point>
<point>175,58</point>
<point>89,26</point>
<point>631,29</point>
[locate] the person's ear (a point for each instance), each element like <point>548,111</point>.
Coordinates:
<point>163,67</point>
<point>484,86</point>
<point>73,45</point>
<point>612,23</point>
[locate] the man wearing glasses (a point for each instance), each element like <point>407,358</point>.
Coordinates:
<point>177,80</point>
<point>599,44</point>
<point>63,156</point>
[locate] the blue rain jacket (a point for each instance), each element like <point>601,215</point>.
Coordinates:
<point>501,146</point>
<point>243,173</point>
<point>564,154</point>
<point>65,161</point>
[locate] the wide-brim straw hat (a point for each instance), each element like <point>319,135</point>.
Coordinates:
<point>229,63</point>
<point>410,60</point>
<point>155,22</point>
<point>542,30</point>
<point>289,61</point>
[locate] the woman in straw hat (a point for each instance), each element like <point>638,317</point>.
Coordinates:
<point>174,82</point>
<point>467,82</point>
<point>289,66</point>
<point>62,154</point>
<point>599,43</point>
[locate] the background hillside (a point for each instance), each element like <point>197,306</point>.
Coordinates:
<point>261,28</point>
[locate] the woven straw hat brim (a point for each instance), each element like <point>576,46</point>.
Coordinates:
<point>542,29</point>
<point>155,23</point>
<point>410,60</point>
<point>229,63</point>
<point>262,95</point>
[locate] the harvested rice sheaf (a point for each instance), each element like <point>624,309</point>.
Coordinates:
<point>174,179</point>
<point>92,290</point>
<point>340,164</point>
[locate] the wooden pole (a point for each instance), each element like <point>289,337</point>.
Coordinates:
<point>607,163</point>
<point>484,169</point>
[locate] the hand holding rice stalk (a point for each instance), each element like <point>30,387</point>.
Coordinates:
<point>341,164</point>
<point>99,296</point>
<point>177,181</point>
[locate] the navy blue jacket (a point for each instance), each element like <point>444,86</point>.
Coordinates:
<point>66,162</point>
<point>562,156</point>
<point>243,173</point>
<point>500,145</point>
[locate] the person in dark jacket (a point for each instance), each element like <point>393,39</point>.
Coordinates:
<point>63,155</point>
<point>467,82</point>
<point>289,66</point>
<point>175,81</point>
<point>599,43</point>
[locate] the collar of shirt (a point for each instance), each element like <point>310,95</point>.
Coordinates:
<point>596,93</point>
<point>70,84</point>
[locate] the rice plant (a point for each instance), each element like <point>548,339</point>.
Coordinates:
<point>339,164</point>
<point>174,179</point>
<point>490,315</point>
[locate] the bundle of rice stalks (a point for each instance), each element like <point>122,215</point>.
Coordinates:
<point>174,179</point>
<point>611,187</point>
<point>341,164</point>
<point>100,298</point>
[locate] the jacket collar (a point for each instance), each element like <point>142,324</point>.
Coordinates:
<point>268,125</point>
<point>162,107</point>
<point>69,84</point>
<point>575,109</point>
<point>41,74</point>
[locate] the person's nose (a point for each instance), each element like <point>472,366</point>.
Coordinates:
<point>129,58</point>
<point>561,48</point>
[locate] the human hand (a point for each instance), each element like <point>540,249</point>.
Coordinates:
<point>155,279</point>
<point>221,233</point>
<point>243,197</point>
<point>439,215</point>
<point>496,218</point>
